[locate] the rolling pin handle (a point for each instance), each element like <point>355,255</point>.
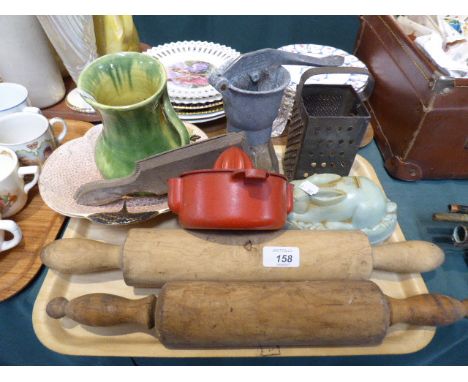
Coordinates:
<point>427,310</point>
<point>100,309</point>
<point>56,308</point>
<point>78,256</point>
<point>412,256</point>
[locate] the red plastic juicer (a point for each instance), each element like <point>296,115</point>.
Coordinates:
<point>233,195</point>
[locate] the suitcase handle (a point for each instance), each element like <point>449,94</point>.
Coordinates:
<point>364,95</point>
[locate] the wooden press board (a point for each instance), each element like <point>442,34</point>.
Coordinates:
<point>67,337</point>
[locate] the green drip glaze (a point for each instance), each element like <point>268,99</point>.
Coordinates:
<point>129,91</point>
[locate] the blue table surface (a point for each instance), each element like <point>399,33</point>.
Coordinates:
<point>416,204</point>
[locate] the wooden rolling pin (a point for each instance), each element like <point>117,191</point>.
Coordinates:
<point>150,257</point>
<point>242,314</point>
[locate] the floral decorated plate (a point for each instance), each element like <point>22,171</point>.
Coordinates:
<point>202,117</point>
<point>195,101</point>
<point>200,112</point>
<point>189,65</point>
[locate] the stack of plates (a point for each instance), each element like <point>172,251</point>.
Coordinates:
<point>188,65</point>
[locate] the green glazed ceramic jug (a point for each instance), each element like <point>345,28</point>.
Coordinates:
<point>129,91</point>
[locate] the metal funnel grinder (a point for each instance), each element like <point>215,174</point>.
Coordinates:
<point>252,87</point>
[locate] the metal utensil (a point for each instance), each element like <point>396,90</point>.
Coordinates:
<point>124,217</point>
<point>460,236</point>
<point>327,125</point>
<point>252,86</point>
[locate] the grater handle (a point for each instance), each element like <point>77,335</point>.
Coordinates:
<point>364,95</point>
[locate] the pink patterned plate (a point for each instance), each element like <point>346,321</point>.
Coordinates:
<point>72,165</point>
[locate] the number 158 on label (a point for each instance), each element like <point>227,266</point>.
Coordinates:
<point>281,257</point>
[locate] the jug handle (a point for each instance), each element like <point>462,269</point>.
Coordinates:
<point>174,120</point>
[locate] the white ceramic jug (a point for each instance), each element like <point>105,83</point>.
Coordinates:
<point>26,58</point>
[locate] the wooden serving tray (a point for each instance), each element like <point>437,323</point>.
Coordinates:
<point>19,265</point>
<point>40,225</point>
<point>67,337</point>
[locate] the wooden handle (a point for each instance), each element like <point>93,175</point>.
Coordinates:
<point>407,257</point>
<point>427,310</point>
<point>100,309</point>
<point>77,256</point>
<point>450,217</point>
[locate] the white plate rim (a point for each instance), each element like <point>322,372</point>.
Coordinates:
<point>203,120</point>
<point>358,81</point>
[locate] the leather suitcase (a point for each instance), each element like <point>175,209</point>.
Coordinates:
<point>419,115</point>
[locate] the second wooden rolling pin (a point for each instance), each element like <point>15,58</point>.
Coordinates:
<point>152,257</point>
<point>229,315</point>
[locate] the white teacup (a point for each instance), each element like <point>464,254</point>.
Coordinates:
<point>29,134</point>
<point>13,98</point>
<point>14,229</point>
<point>13,191</point>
